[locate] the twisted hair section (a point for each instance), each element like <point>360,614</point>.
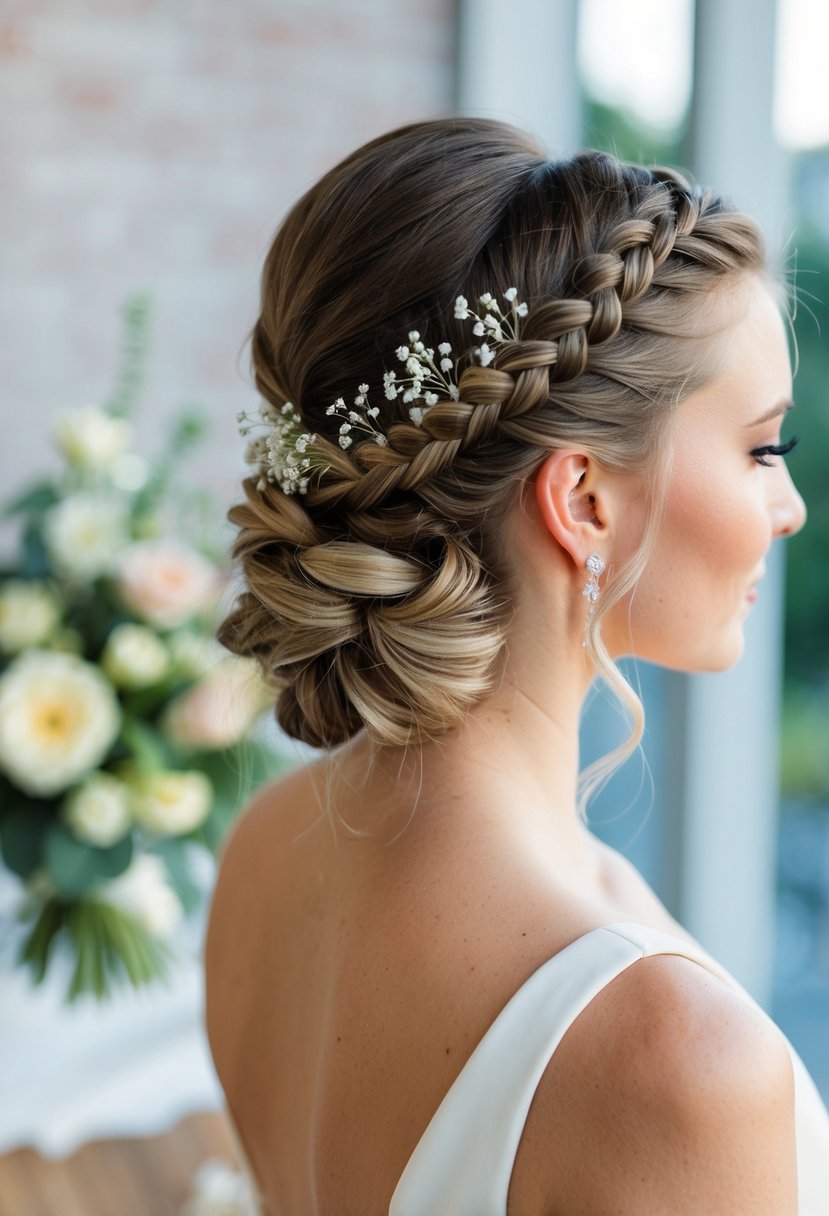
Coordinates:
<point>382,597</point>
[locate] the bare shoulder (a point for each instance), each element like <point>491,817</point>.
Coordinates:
<point>671,1093</point>
<point>248,865</point>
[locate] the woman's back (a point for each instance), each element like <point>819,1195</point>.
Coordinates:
<point>347,988</point>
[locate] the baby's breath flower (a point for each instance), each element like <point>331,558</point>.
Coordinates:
<point>280,455</point>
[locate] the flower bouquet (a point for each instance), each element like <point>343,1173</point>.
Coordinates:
<point>124,725</point>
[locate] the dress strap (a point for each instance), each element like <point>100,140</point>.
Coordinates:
<point>463,1162</point>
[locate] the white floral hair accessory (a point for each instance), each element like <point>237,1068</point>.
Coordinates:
<point>285,454</point>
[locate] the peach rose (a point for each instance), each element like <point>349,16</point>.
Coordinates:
<point>166,583</point>
<point>218,710</point>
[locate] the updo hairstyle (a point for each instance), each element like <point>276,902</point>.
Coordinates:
<point>381,596</point>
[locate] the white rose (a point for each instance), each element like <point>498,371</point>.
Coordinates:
<point>165,582</point>
<point>59,717</point>
<point>193,654</point>
<point>98,811</point>
<point>85,533</point>
<point>134,656</point>
<point>144,893</point>
<point>171,803</point>
<point>29,612</point>
<point>221,708</point>
<point>90,438</point>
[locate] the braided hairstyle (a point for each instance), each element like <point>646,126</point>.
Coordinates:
<point>381,597</point>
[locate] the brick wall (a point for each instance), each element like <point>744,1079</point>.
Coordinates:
<point>155,144</point>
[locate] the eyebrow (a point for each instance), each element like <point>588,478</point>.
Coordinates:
<point>782,407</point>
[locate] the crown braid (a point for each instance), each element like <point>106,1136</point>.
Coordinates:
<point>382,598</point>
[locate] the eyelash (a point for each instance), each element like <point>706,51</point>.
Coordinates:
<point>773,450</point>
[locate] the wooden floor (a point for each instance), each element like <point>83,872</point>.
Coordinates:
<point>150,1176</point>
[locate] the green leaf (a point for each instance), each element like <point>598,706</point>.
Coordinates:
<point>75,867</point>
<point>235,773</point>
<point>35,561</point>
<point>36,948</point>
<point>147,746</point>
<point>23,833</point>
<point>176,853</point>
<point>110,947</point>
<point>35,500</point>
<point>136,311</point>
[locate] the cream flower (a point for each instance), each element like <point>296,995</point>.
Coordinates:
<point>171,803</point>
<point>144,892</point>
<point>134,656</point>
<point>194,654</point>
<point>85,533</point>
<point>221,708</point>
<point>59,717</point>
<point>90,438</point>
<point>165,582</point>
<point>98,810</point>
<point>29,612</point>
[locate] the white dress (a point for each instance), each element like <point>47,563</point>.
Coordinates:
<point>463,1162</point>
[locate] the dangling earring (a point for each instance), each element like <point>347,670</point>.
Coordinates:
<point>595,564</point>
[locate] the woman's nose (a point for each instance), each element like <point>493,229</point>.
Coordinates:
<point>789,512</point>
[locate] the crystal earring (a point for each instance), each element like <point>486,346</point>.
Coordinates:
<point>595,564</point>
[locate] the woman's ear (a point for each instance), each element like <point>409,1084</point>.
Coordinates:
<point>573,503</point>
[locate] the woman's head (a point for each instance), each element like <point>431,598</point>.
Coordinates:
<point>402,623</point>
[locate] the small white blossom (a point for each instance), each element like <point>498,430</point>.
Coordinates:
<point>85,532</point>
<point>171,802</point>
<point>143,892</point>
<point>402,353</point>
<point>345,442</point>
<point>91,438</point>
<point>414,336</point>
<point>510,293</point>
<point>29,614</point>
<point>98,810</point>
<point>416,414</point>
<point>362,388</point>
<point>487,299</point>
<point>134,656</point>
<point>444,348</point>
<point>478,329</point>
<point>430,398</point>
<point>485,354</point>
<point>522,310</point>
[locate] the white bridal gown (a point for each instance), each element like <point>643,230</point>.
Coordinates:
<point>463,1161</point>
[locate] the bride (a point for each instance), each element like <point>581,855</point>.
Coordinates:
<point>520,418</point>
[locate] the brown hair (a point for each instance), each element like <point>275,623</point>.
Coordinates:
<point>381,597</point>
